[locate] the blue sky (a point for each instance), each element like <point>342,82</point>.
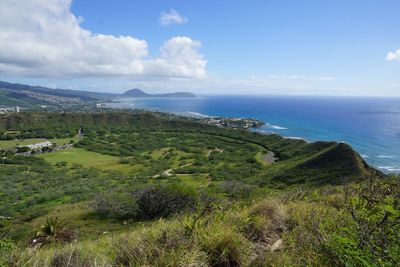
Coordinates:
<point>302,47</point>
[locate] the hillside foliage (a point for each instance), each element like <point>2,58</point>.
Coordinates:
<point>172,191</point>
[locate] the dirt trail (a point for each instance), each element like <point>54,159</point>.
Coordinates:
<point>269,158</point>
<point>215,149</point>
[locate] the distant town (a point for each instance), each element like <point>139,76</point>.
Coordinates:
<point>5,109</point>
<point>245,123</point>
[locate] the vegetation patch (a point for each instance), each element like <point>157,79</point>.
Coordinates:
<point>86,159</point>
<point>151,189</point>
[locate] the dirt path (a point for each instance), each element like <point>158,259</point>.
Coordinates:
<point>167,173</point>
<point>269,158</point>
<point>215,149</point>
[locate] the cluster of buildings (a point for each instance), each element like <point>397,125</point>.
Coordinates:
<point>37,148</point>
<point>101,105</point>
<point>5,110</point>
<point>234,122</point>
<point>37,145</point>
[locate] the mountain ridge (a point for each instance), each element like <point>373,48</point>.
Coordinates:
<point>138,93</point>
<point>28,95</point>
<point>16,94</point>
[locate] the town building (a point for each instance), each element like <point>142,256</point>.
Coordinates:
<point>37,145</point>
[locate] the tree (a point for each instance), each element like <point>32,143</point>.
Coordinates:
<point>52,231</point>
<point>164,200</point>
<point>116,205</point>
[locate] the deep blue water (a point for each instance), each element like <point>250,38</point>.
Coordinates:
<point>370,125</point>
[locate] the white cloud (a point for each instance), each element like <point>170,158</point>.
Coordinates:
<point>393,55</point>
<point>172,17</point>
<point>42,38</point>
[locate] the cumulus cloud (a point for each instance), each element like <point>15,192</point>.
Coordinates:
<point>393,55</point>
<point>42,38</point>
<point>172,17</point>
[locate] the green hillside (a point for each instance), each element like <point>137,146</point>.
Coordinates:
<point>153,189</point>
<point>10,99</point>
<point>27,96</point>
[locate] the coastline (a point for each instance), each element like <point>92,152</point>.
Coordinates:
<point>285,117</point>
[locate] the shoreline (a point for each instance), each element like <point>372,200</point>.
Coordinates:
<point>387,165</point>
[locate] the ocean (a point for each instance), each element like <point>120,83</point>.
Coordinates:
<point>369,125</point>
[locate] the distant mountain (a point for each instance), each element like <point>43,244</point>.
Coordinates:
<point>140,94</point>
<point>135,93</point>
<point>14,94</point>
<point>28,96</point>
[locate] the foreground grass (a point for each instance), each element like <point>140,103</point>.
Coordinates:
<point>213,240</point>
<point>296,228</point>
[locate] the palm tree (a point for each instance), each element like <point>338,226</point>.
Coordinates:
<point>51,228</point>
<point>52,231</point>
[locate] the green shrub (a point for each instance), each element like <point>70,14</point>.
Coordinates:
<point>223,246</point>
<point>372,234</point>
<point>265,222</point>
<point>360,229</point>
<point>164,200</point>
<point>124,161</point>
<point>52,231</point>
<point>7,247</point>
<point>23,149</point>
<point>116,205</point>
<point>237,189</point>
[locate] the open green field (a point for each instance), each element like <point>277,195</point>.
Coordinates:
<point>9,144</point>
<point>87,159</point>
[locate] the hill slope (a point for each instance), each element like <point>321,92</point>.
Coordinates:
<point>14,94</point>
<point>140,94</point>
<point>26,95</point>
<point>152,189</point>
<point>299,162</point>
<point>336,164</point>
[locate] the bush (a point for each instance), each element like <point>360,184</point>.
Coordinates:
<point>361,231</point>
<point>164,200</point>
<point>146,204</point>
<point>124,161</point>
<point>265,222</point>
<point>237,189</point>
<point>116,205</point>
<point>373,234</point>
<point>52,231</point>
<point>23,149</point>
<point>46,149</point>
<point>6,249</point>
<point>61,164</point>
<point>223,246</point>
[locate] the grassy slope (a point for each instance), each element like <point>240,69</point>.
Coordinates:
<point>8,99</point>
<point>299,162</point>
<point>330,165</point>
<point>87,159</point>
<point>292,228</point>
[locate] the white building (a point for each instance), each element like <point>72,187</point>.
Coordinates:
<point>37,145</point>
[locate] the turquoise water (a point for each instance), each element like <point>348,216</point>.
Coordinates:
<point>370,125</point>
